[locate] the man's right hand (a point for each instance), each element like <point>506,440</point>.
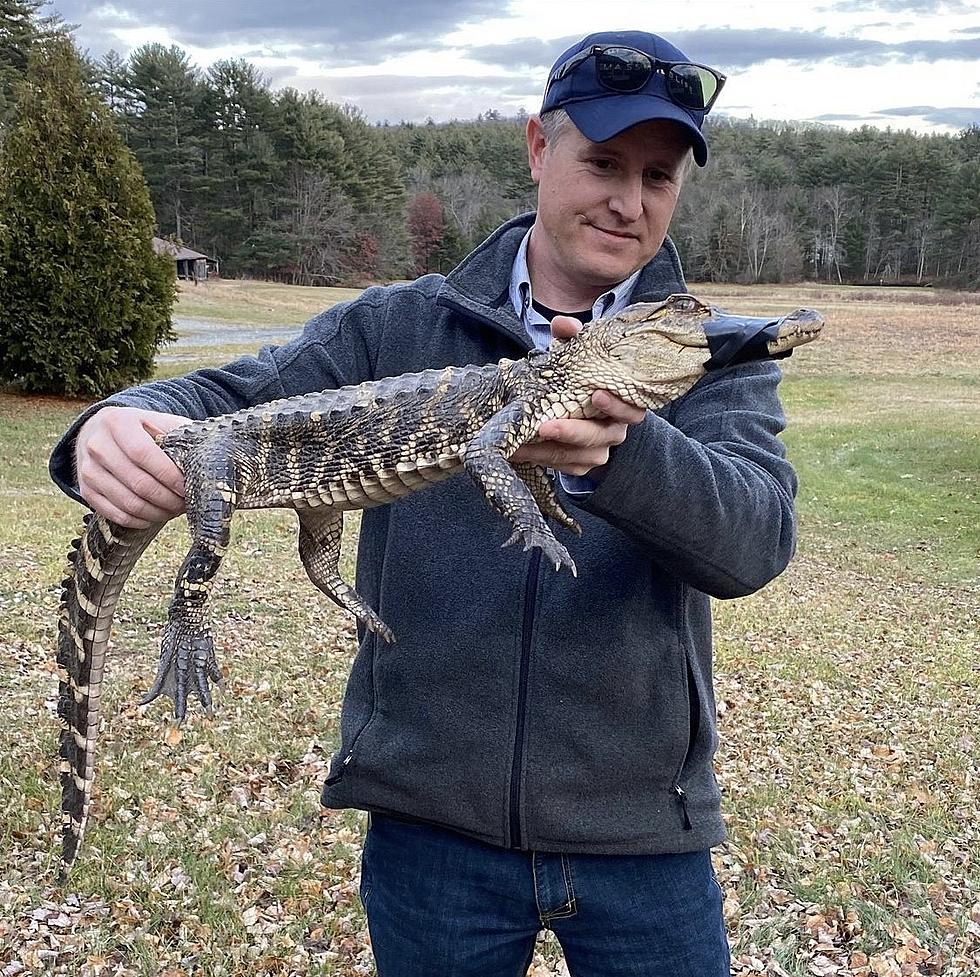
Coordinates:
<point>122,473</point>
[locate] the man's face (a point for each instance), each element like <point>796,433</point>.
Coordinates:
<point>603,208</point>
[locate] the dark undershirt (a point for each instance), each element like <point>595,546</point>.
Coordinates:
<point>549,314</point>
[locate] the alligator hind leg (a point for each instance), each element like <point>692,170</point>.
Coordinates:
<point>320,532</point>
<point>187,661</point>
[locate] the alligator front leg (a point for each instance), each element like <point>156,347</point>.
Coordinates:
<point>485,458</point>
<point>320,533</point>
<point>187,661</point>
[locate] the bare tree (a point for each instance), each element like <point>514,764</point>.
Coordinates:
<point>834,206</point>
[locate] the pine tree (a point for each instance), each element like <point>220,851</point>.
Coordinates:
<point>162,127</point>
<point>84,300</point>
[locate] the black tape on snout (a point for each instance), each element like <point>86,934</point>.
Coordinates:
<point>738,339</point>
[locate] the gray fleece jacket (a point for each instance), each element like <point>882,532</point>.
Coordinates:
<point>523,707</point>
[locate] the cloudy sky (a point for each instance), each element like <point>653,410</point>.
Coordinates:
<point>900,63</point>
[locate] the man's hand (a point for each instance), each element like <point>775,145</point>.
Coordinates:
<point>575,447</point>
<point>122,473</point>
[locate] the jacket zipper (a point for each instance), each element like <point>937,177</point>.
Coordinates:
<point>346,762</point>
<point>680,794</point>
<point>530,598</point>
<point>330,781</point>
<point>682,800</point>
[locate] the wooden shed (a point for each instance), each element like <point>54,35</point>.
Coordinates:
<point>191,265</point>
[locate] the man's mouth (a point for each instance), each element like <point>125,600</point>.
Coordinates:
<point>621,235</point>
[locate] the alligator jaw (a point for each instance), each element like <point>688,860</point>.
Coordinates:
<point>795,329</point>
<point>737,339</point>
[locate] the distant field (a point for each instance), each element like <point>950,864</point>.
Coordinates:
<point>848,693</point>
<point>231,300</point>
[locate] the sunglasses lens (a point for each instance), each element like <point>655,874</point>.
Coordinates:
<point>622,69</point>
<point>691,86</point>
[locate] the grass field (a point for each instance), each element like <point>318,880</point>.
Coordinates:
<point>848,694</point>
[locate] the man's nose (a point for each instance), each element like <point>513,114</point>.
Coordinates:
<point>627,200</point>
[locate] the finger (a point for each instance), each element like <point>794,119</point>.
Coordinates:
<point>147,455</point>
<point>570,460</point>
<point>129,481</point>
<point>581,433</point>
<point>617,409</point>
<point>104,507</point>
<point>563,327</point>
<point>123,498</point>
<point>126,486</point>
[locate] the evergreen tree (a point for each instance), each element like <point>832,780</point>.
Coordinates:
<point>241,167</point>
<point>161,95</point>
<point>115,86</point>
<point>84,300</point>
<point>21,30</point>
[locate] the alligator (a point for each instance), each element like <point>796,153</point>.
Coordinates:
<point>360,446</point>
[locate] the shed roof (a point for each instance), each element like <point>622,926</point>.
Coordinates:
<point>177,252</point>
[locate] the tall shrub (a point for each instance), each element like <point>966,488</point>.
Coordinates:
<point>84,300</point>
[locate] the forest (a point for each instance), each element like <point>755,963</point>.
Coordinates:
<point>285,185</point>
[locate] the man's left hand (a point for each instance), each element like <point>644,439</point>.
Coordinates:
<point>577,446</point>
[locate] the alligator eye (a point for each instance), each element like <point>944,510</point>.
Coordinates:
<point>686,303</point>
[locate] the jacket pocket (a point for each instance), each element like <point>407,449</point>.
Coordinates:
<point>693,699</point>
<point>341,765</point>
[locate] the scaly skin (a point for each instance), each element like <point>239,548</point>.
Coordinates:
<point>323,453</point>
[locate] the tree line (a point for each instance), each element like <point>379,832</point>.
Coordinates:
<point>287,185</point>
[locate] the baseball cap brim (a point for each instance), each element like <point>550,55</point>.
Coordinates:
<point>604,117</point>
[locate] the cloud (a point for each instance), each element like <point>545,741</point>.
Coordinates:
<point>394,98</point>
<point>351,33</point>
<point>525,52</point>
<point>956,117</point>
<point>740,49</point>
<point>960,117</point>
<point>735,49</point>
<point>901,6</point>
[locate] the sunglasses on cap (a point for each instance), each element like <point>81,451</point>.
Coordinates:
<point>625,70</point>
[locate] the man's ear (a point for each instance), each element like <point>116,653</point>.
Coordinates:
<point>536,147</point>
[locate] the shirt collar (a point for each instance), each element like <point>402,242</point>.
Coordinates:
<point>609,303</point>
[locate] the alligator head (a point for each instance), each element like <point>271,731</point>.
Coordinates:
<point>655,352</point>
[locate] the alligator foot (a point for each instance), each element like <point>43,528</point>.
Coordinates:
<point>352,602</point>
<point>553,551</point>
<point>187,663</point>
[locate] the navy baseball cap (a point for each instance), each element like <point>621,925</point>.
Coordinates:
<point>600,113</point>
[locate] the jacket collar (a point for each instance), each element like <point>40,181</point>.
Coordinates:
<point>479,286</point>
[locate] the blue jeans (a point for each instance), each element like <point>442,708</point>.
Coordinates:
<point>440,904</point>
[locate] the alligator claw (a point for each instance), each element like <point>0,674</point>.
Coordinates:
<point>552,550</point>
<point>187,662</point>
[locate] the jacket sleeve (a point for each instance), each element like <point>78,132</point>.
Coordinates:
<point>706,488</point>
<point>336,348</point>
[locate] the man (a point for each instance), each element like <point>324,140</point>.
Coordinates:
<point>536,749</point>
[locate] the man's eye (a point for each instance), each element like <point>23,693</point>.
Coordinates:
<point>602,164</point>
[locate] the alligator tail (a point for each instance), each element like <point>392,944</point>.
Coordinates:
<point>101,560</point>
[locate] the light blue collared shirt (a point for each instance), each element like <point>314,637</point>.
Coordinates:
<point>539,328</point>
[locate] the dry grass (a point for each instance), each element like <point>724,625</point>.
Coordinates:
<point>233,300</point>
<point>847,690</point>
